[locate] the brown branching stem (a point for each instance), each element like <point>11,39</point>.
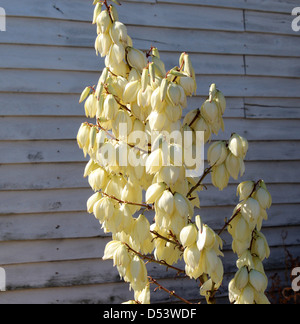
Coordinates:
<point>175,241</point>
<point>148,207</point>
<point>151,259</point>
<point>199,183</point>
<point>171,293</point>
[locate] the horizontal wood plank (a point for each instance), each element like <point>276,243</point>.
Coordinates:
<point>68,151</point>
<point>49,226</point>
<point>93,271</point>
<point>70,175</point>
<point>81,224</point>
<point>82,34</point>
<point>266,5</point>
<point>269,22</point>
<point>93,248</point>
<point>144,14</point>
<point>275,66</point>
<point>69,200</point>
<point>73,82</point>
<point>85,59</point>
<point>51,128</point>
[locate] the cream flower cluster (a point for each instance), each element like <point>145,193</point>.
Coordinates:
<point>201,254</point>
<point>136,166</point>
<point>227,159</point>
<point>250,282</point>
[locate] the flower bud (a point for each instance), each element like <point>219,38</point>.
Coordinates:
<point>188,85</point>
<point>118,53</point>
<point>166,202</point>
<point>122,125</point>
<point>258,280</point>
<point>217,153</point>
<point>103,209</point>
<point>164,89</point>
<point>169,174</point>
<point>118,32</point>
<point>212,92</point>
<point>260,247</point>
<point>245,189</point>
<point>113,12</point>
<point>241,278</point>
<point>90,167</point>
<point>181,205</point>
<point>188,235</point>
<point>92,201</point>
<point>238,146</point>
<point>154,192</point>
<point>155,161</point>
<point>220,101</point>
<point>159,67</point>
<point>121,256</point>
<point>138,273</point>
<point>157,121</point>
<point>206,238</point>
<point>247,296</point>
<point>245,259</point>
<point>103,44</point>
<point>188,67</point>
<point>110,107</point>
<point>110,249</point>
<point>191,256</point>
<point>210,112</point>
<point>263,197</point>
<point>202,126</point>
<point>156,102</point>
<point>104,21</point>
<point>131,91</point>
<point>98,179</point>
<point>174,93</point>
<point>83,135</point>
<point>220,176</point>
<point>250,210</point>
<point>233,166</point>
<point>84,94</point>
<point>97,11</point>
<point>136,58</point>
<point>141,229</point>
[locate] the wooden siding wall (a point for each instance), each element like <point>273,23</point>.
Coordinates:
<point>50,248</point>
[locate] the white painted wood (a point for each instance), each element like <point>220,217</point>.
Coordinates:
<point>51,128</point>
<point>70,175</point>
<point>81,34</point>
<point>275,66</point>
<point>50,247</point>
<point>67,151</point>
<point>93,248</point>
<point>80,224</point>
<point>145,14</point>
<point>49,226</point>
<point>84,59</point>
<point>264,22</point>
<point>265,5</point>
<point>95,271</point>
<point>69,200</point>
<point>68,82</point>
